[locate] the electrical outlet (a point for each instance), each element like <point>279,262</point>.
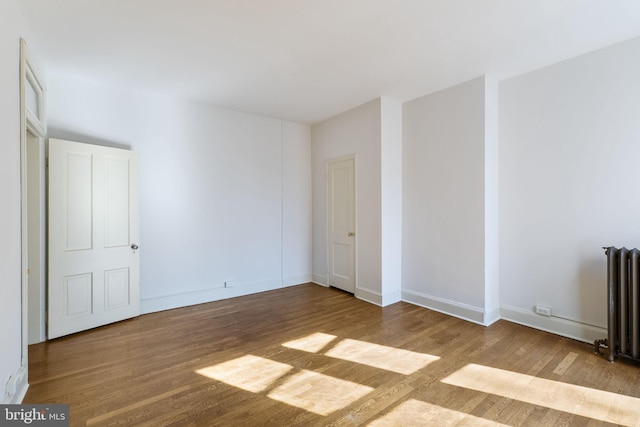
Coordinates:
<point>228,284</point>
<point>545,311</point>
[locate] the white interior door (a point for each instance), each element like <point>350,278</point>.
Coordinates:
<point>341,224</point>
<point>94,266</point>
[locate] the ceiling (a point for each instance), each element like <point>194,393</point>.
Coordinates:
<point>307,60</point>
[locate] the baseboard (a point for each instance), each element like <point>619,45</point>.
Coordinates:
<point>451,308</point>
<point>16,387</point>
<point>369,296</point>
<point>391,298</point>
<point>376,298</point>
<point>296,280</point>
<point>319,280</point>
<point>168,302</point>
<point>491,316</point>
<point>555,325</point>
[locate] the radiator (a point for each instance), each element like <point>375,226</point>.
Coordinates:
<point>623,313</point>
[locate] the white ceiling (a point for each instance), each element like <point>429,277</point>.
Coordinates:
<point>307,60</point>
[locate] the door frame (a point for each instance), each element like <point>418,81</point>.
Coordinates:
<point>36,237</point>
<point>33,122</point>
<point>353,157</point>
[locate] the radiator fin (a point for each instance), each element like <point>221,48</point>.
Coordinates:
<point>623,294</point>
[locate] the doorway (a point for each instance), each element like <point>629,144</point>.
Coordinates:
<point>33,206</point>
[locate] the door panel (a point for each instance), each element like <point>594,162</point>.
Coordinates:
<point>93,222</point>
<point>341,224</point>
<point>78,218</point>
<point>341,256</point>
<point>116,283</point>
<point>117,202</point>
<point>77,295</point>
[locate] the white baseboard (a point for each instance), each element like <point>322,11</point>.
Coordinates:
<point>296,280</point>
<point>452,308</point>
<point>319,280</point>
<point>555,325</point>
<point>377,298</point>
<point>491,316</point>
<point>364,294</point>
<point>391,298</point>
<point>369,296</point>
<point>168,302</point>
<point>16,387</point>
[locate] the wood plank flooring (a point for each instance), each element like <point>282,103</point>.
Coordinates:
<point>313,356</point>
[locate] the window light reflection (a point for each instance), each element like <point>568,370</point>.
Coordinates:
<point>379,356</point>
<point>311,343</point>
<point>250,373</point>
<point>318,393</point>
<point>416,413</point>
<point>578,400</point>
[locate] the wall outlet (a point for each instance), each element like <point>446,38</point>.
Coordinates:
<point>228,284</point>
<point>545,311</point>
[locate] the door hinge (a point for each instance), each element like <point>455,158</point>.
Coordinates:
<point>46,162</point>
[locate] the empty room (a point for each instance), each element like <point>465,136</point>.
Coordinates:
<point>313,213</point>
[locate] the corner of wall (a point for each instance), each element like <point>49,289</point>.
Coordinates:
<point>319,280</point>
<point>491,199</point>
<point>379,299</point>
<point>491,316</point>
<point>297,280</point>
<point>390,200</point>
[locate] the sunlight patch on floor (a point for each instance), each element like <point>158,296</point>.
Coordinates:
<point>311,343</point>
<point>416,413</point>
<point>250,373</point>
<point>379,356</point>
<point>578,400</point>
<point>318,393</point>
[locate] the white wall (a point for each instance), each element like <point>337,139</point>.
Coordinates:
<point>355,132</point>
<point>11,29</point>
<point>296,139</point>
<point>569,156</point>
<point>443,248</point>
<point>216,200</point>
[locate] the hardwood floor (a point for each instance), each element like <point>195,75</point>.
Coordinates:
<point>309,355</point>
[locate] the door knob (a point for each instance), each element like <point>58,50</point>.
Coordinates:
<point>351,233</point>
<point>134,246</point>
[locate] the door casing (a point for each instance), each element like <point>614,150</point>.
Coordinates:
<point>33,108</point>
<point>36,237</point>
